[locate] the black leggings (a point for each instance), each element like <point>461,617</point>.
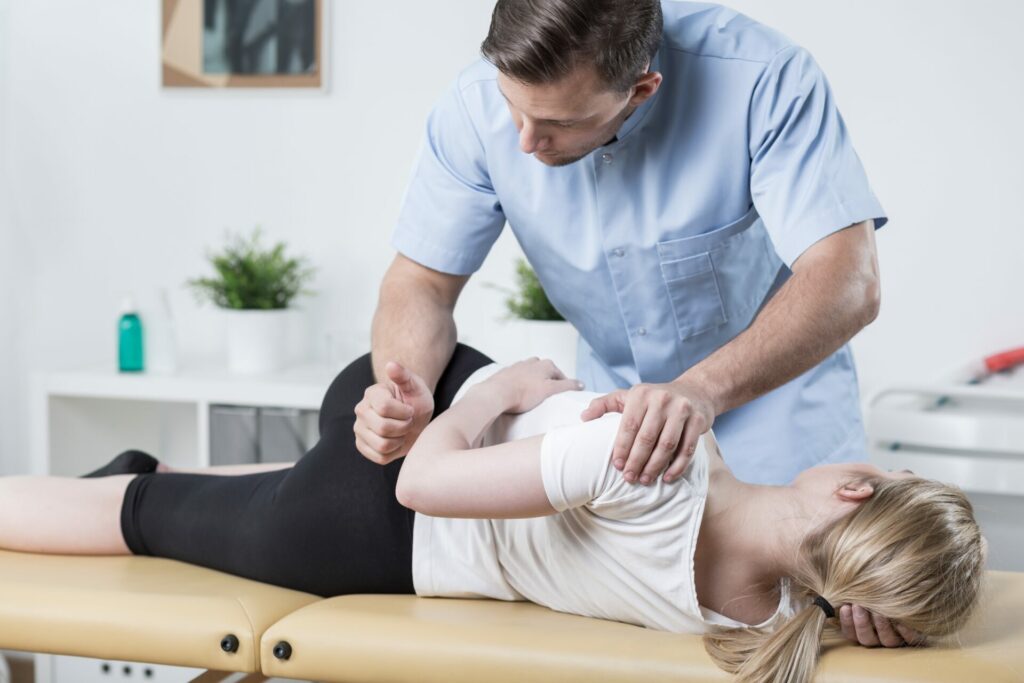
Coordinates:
<point>330,525</point>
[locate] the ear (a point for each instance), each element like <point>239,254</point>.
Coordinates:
<point>855,492</point>
<point>645,87</point>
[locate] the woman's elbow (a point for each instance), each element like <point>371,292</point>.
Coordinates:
<point>405,489</point>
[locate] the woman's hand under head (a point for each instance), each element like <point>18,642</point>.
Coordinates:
<point>524,385</point>
<point>891,543</point>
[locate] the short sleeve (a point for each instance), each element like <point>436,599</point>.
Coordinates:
<point>575,461</point>
<point>805,177</point>
<point>450,215</point>
<point>577,471</point>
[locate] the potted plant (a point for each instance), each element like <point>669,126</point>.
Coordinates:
<point>254,287</point>
<point>538,328</point>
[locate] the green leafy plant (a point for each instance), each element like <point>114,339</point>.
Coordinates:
<point>251,277</point>
<point>530,302</point>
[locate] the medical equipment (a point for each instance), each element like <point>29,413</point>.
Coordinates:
<point>968,430</point>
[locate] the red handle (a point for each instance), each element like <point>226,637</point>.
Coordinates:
<point>1005,360</point>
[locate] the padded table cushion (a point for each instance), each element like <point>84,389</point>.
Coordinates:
<point>363,638</point>
<point>136,608</point>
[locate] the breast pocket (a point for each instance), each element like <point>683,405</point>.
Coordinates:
<point>719,279</point>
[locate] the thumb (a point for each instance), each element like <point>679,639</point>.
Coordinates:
<point>403,378</point>
<point>601,405</point>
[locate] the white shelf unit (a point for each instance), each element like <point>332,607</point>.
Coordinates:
<point>82,418</point>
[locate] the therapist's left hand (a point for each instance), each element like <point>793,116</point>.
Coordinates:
<point>660,427</point>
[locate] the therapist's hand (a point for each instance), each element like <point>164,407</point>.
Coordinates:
<point>660,426</point>
<point>871,630</point>
<point>392,414</point>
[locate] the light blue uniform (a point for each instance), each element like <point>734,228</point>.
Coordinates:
<point>663,245</point>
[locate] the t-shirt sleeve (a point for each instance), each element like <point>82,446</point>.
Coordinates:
<point>575,461</point>
<point>805,177</point>
<point>450,215</point>
<point>577,471</point>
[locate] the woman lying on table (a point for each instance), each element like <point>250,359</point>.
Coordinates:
<point>516,499</point>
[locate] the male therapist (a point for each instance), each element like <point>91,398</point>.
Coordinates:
<point>682,182</point>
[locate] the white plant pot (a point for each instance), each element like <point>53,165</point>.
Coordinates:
<point>554,339</point>
<point>257,340</point>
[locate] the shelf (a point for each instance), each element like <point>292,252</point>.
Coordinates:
<point>81,418</point>
<point>297,387</point>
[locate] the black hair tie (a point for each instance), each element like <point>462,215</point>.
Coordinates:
<point>825,607</point>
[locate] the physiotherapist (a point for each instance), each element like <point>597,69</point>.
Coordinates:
<point>681,180</point>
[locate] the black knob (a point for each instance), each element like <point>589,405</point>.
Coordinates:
<point>229,643</point>
<point>283,650</point>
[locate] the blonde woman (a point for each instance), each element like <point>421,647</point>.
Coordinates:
<point>515,499</point>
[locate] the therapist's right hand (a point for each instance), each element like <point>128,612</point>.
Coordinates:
<point>392,414</point>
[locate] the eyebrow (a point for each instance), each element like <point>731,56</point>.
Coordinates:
<point>561,121</point>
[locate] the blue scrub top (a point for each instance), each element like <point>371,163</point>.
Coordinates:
<point>663,245</point>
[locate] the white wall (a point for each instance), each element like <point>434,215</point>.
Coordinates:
<point>9,274</point>
<point>117,185</point>
<point>932,93</point>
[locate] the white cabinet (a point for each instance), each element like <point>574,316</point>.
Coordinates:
<point>81,419</point>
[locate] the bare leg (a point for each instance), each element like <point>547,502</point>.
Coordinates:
<point>60,515</point>
<point>229,470</point>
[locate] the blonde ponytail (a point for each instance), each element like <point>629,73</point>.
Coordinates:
<point>913,552</point>
<point>787,655</point>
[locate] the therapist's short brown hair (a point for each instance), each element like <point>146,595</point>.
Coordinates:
<point>541,41</point>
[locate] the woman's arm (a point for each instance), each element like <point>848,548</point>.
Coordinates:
<point>444,476</point>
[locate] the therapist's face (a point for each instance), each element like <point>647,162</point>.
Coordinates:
<point>562,122</point>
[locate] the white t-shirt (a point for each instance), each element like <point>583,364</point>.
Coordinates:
<point>614,550</point>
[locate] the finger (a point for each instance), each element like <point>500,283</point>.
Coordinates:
<point>886,635</point>
<point>696,425</point>
<point>643,444</point>
<point>677,467</point>
<point>912,637</point>
<point>403,378</point>
<point>370,454</point>
<point>864,628</point>
<point>560,385</point>
<point>632,418</point>
<point>665,451</point>
<point>386,405</point>
<point>609,403</point>
<point>382,426</point>
<point>379,444</point>
<point>846,623</point>
<point>554,372</point>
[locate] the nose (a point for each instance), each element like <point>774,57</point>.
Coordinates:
<point>529,141</point>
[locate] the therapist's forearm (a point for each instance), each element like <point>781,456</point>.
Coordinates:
<point>412,328</point>
<point>814,313</point>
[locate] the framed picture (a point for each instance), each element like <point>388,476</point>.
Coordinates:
<point>243,43</point>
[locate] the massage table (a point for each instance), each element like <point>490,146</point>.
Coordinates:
<point>167,612</point>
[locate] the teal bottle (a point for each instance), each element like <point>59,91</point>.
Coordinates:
<point>129,339</point>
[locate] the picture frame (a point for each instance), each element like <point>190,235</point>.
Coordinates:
<point>231,44</point>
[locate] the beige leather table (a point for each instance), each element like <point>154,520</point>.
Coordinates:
<point>167,612</point>
<point>364,639</point>
<point>138,609</point>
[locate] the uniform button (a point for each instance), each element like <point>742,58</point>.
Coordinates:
<point>619,251</point>
<point>607,158</point>
<point>641,331</point>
